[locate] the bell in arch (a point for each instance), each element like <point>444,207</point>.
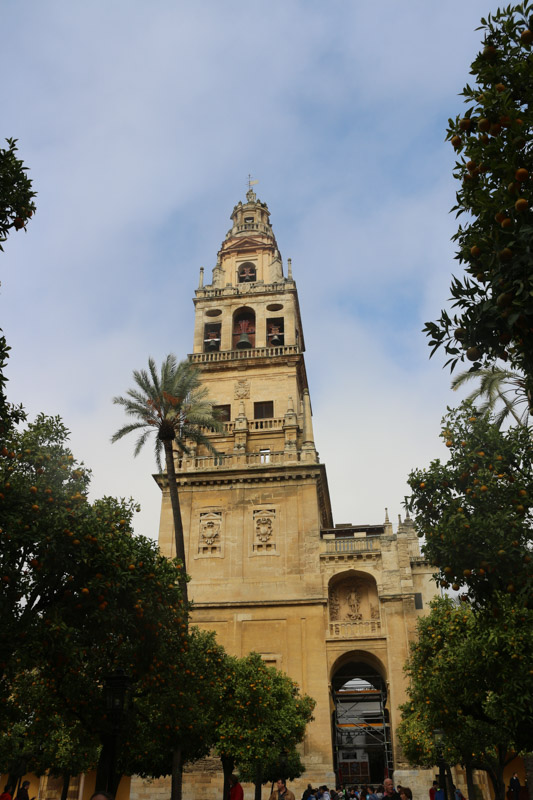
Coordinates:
<point>244,340</point>
<point>274,335</point>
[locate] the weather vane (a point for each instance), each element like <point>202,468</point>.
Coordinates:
<point>251,182</point>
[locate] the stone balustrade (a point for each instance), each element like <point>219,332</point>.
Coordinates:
<point>352,545</point>
<point>348,550</point>
<point>241,355</point>
<point>255,287</point>
<point>362,629</point>
<point>235,461</point>
<point>254,226</point>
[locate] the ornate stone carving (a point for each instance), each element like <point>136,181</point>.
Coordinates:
<point>210,531</point>
<point>242,389</point>
<point>353,602</point>
<point>264,528</point>
<point>334,605</point>
<point>348,600</point>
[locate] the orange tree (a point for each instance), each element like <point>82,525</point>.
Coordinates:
<point>469,675</point>
<point>261,714</point>
<point>79,595</point>
<point>493,301</point>
<point>16,194</point>
<point>177,717</point>
<point>475,509</point>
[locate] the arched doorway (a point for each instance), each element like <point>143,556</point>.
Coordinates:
<point>360,721</point>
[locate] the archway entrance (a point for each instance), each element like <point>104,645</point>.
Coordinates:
<point>360,724</point>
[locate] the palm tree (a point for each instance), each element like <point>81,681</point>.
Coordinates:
<point>175,407</point>
<point>498,387</point>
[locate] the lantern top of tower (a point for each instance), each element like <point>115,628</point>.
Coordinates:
<point>251,218</point>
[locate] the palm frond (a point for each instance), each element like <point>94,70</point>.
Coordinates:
<point>127,429</point>
<point>497,387</point>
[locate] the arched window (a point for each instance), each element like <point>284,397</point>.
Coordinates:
<point>243,329</point>
<point>247,273</point>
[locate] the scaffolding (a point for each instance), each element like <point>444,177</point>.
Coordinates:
<point>361,730</point>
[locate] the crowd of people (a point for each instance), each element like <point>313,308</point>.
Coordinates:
<point>384,791</point>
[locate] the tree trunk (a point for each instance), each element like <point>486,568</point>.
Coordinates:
<point>528,764</point>
<point>66,782</point>
<point>102,769</point>
<point>470,782</point>
<point>176,515</point>
<point>227,767</point>
<point>107,777</point>
<point>258,784</point>
<point>449,782</point>
<point>495,773</point>
<point>177,774</point>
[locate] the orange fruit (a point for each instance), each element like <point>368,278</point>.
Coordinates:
<point>521,204</point>
<point>521,174</point>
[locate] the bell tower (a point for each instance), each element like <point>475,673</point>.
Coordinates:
<point>249,344</point>
<point>334,606</point>
<point>253,514</point>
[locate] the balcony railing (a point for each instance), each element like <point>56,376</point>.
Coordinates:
<point>255,287</point>
<point>355,630</point>
<point>351,545</point>
<point>241,355</point>
<point>235,461</point>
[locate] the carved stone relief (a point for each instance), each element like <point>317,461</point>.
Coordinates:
<point>242,389</point>
<point>210,532</point>
<point>264,520</point>
<point>334,605</point>
<point>353,600</point>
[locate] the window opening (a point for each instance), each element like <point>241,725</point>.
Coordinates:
<point>247,273</point>
<point>212,337</point>
<point>264,455</point>
<point>275,331</point>
<point>244,330</point>
<point>264,410</point>
<point>418,600</point>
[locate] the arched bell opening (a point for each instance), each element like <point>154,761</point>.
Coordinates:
<point>243,329</point>
<point>275,331</point>
<point>360,720</point>
<point>212,337</point>
<point>246,273</point>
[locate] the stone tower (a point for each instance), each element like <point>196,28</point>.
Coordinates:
<point>333,606</point>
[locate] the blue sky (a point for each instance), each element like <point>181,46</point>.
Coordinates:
<point>140,123</point>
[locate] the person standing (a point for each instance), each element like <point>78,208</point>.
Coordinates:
<point>514,786</point>
<point>433,790</point>
<point>7,794</point>
<point>22,793</point>
<point>235,792</point>
<point>281,792</point>
<point>388,790</point>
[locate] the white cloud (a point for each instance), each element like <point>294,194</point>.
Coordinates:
<point>140,123</point>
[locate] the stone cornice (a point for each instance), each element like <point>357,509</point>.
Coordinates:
<point>318,601</point>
